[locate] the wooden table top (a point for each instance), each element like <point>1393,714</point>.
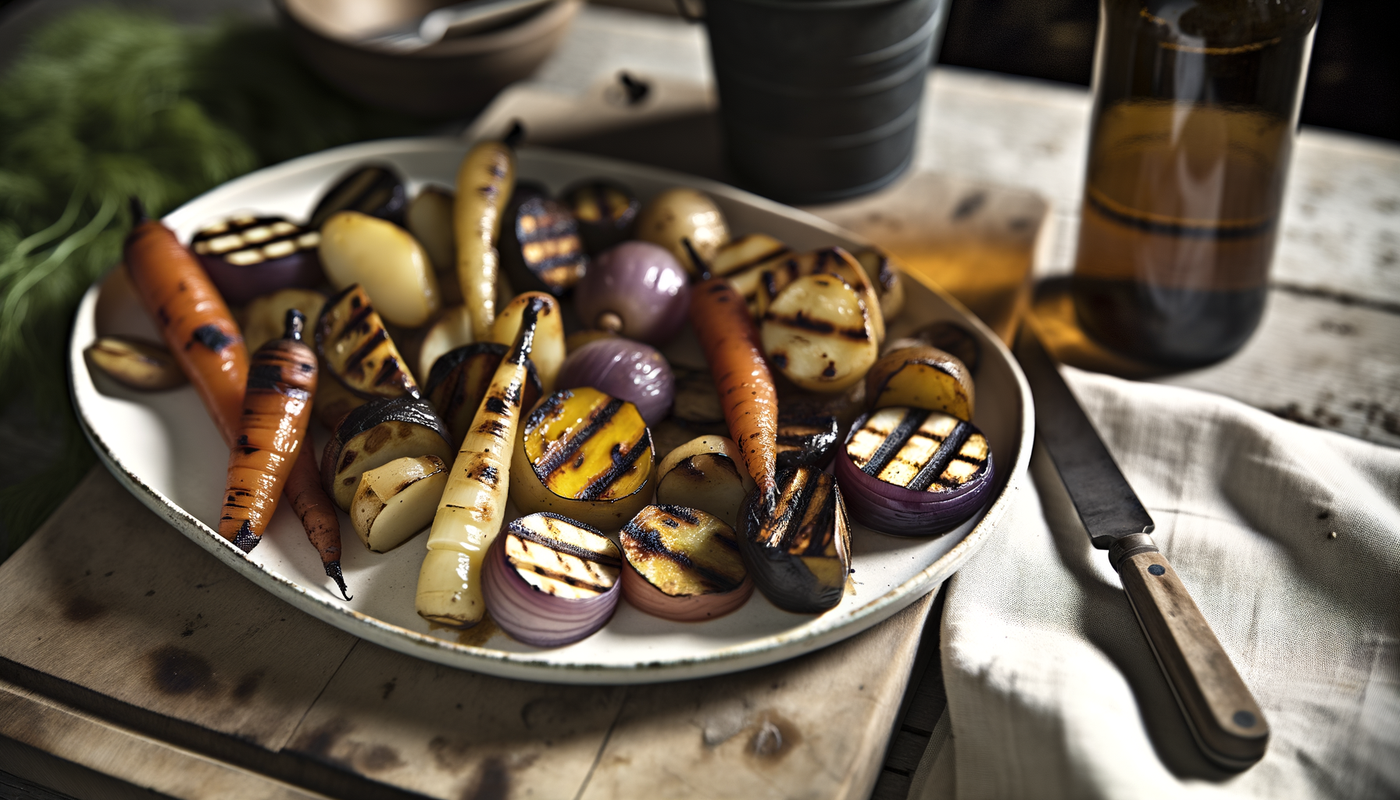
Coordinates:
<point>127,652</point>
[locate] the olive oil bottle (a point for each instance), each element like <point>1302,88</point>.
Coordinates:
<point>1195,111</point>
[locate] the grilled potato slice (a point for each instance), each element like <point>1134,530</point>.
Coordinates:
<point>376,433</point>
<point>452,330</point>
<point>799,554</point>
<point>265,317</point>
<point>586,456</point>
<point>384,259</point>
<point>921,377</point>
<point>707,473</point>
<point>682,564</point>
<point>396,501</point>
<point>355,345</point>
<point>819,334</point>
<point>459,381</point>
<point>741,256</point>
<point>429,219</point>
<point>888,277</point>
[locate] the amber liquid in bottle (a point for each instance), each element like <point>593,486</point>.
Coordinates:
<point>1195,108</point>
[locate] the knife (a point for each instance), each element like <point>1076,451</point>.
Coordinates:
<point>1224,718</point>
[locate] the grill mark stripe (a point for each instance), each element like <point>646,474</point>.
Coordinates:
<point>371,343</point>
<point>719,582</point>
<point>582,553</point>
<point>564,455</point>
<point>945,453</point>
<point>617,470</point>
<point>913,419</point>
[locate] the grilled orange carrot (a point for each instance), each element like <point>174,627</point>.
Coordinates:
<point>192,317</point>
<point>317,512</point>
<point>276,412</point>
<point>745,385</point>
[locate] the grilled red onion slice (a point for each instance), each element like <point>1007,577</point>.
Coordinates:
<point>550,581</point>
<point>914,472</point>
<point>248,256</point>
<point>624,369</point>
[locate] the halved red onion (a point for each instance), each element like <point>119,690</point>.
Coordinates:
<point>624,369</point>
<point>914,472</point>
<point>550,581</point>
<point>637,290</point>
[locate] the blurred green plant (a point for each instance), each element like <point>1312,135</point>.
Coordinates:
<point>106,104</point>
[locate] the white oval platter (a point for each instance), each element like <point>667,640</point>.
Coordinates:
<point>166,451</point>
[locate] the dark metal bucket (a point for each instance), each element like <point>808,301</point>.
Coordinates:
<point>820,98</point>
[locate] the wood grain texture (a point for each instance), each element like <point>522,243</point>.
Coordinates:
<point>1224,716</point>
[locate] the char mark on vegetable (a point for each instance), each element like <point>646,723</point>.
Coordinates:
<point>565,454</point>
<point>245,540</point>
<point>946,452</point>
<point>558,545</point>
<point>681,512</point>
<point>495,405</point>
<point>894,442</point>
<point>212,337</point>
<point>355,363</point>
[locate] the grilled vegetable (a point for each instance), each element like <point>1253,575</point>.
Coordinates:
<point>799,554</point>
<point>807,440</point>
<point>819,334</point>
<point>888,279</point>
<point>263,318</point>
<point>605,212</point>
<point>950,337</point>
<point>374,434</point>
<point>922,377</point>
<point>276,412</point>
<point>540,246</point>
<point>395,501</point>
<point>459,381</point>
<point>705,473</point>
<point>746,391</point>
<point>637,290</point>
<point>484,183</point>
<point>429,219</point>
<point>351,337</point>
<point>585,455</point>
<point>139,365</point>
<point>248,256</point>
<point>625,369</point>
<point>550,581</point>
<point>472,508</point>
<point>315,508</point>
<point>374,189</point>
<point>914,472</point>
<point>386,261</point>
<point>547,346</point>
<point>192,317</point>
<point>682,564</point>
<point>697,401</point>
<point>762,282</point>
<point>452,330</point>
<point>738,259</point>
<point>333,402</point>
<point>687,223</point>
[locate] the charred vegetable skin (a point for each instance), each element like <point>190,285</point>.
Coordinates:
<point>682,564</point>
<point>921,377</point>
<point>550,581</point>
<point>276,412</point>
<point>541,247</point>
<point>915,472</point>
<point>358,350</point>
<point>605,212</point>
<point>374,434</point>
<point>249,256</point>
<point>807,441</point>
<point>459,381</point>
<point>374,189</point>
<point>799,554</point>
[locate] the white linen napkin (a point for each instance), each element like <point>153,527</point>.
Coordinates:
<point>1052,689</point>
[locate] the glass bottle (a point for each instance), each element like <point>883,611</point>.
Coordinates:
<point>1195,112</point>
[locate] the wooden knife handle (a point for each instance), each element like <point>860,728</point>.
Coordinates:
<point>1228,724</point>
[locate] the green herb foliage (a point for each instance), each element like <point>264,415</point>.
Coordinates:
<point>105,105</point>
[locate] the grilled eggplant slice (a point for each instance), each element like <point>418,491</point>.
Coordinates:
<point>376,433</point>
<point>807,440</point>
<point>585,455</point>
<point>799,553</point>
<point>682,564</point>
<point>922,377</point>
<point>819,334</point>
<point>355,345</point>
<point>541,248</point>
<point>605,212</point>
<point>248,256</point>
<point>459,381</point>
<point>374,189</point>
<point>429,219</point>
<point>144,366</point>
<point>386,261</point>
<point>707,473</point>
<point>396,501</point>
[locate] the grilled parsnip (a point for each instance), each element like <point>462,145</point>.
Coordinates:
<point>472,508</point>
<point>352,339</point>
<point>484,183</point>
<point>820,334</point>
<point>707,473</point>
<point>586,456</point>
<point>459,382</point>
<point>549,350</point>
<point>682,564</point>
<point>374,434</point>
<point>922,377</point>
<point>397,500</point>
<point>799,555</point>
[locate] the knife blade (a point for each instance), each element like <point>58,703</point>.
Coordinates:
<point>1225,720</point>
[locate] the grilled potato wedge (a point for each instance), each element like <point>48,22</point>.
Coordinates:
<point>921,377</point>
<point>429,219</point>
<point>384,259</point>
<point>452,330</point>
<point>265,317</point>
<point>397,500</point>
<point>355,345</point>
<point>682,564</point>
<point>374,434</point>
<point>707,473</point>
<point>819,334</point>
<point>586,456</point>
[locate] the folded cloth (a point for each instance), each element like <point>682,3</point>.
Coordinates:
<point>1287,537</point>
